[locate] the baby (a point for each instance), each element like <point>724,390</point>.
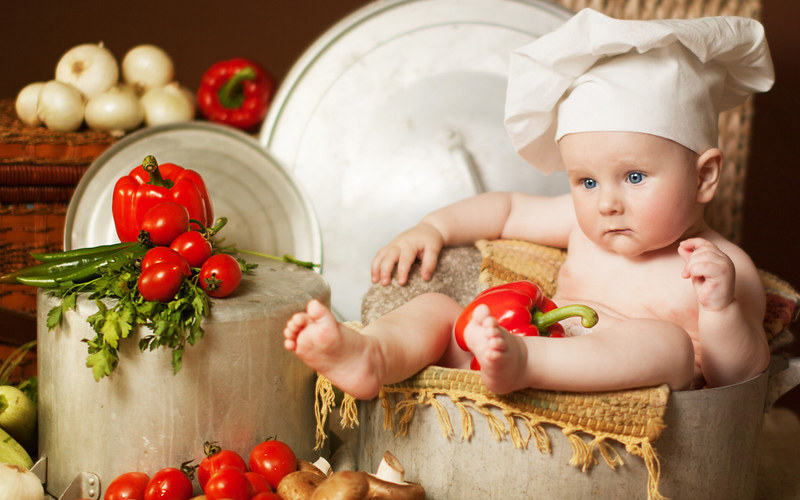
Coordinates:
<point>629,109</point>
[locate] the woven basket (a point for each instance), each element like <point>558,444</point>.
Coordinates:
<point>724,213</point>
<point>39,170</point>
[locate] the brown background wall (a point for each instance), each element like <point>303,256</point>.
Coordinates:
<point>198,33</point>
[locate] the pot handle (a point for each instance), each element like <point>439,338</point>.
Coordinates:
<point>784,375</point>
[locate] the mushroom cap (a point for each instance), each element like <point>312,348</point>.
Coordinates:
<point>343,485</point>
<point>299,485</point>
<point>385,490</point>
<point>305,465</point>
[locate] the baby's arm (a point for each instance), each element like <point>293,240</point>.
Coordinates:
<point>545,220</point>
<point>730,312</point>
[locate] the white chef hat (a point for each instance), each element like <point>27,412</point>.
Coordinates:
<point>669,78</point>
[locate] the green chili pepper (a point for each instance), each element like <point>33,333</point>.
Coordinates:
<point>77,269</point>
<point>80,252</point>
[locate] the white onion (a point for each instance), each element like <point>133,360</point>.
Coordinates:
<point>117,110</point>
<point>60,106</point>
<point>26,103</point>
<point>147,67</point>
<point>90,68</point>
<point>168,104</point>
<point>19,483</point>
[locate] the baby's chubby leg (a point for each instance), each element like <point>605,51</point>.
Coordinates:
<point>388,350</point>
<point>502,356</point>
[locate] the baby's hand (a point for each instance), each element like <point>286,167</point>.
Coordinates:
<point>711,271</point>
<point>422,241</point>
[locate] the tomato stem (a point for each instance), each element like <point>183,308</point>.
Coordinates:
<point>286,258</point>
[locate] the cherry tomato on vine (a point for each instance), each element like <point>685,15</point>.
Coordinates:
<point>167,255</point>
<point>258,482</point>
<point>165,221</point>
<point>220,275</point>
<point>168,483</point>
<point>215,460</point>
<point>127,486</point>
<point>193,246</point>
<point>228,483</point>
<point>272,459</point>
<point>160,281</point>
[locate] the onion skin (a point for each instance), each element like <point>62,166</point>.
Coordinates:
<point>25,105</point>
<point>90,68</point>
<point>60,106</point>
<point>117,110</point>
<point>168,104</point>
<point>147,67</point>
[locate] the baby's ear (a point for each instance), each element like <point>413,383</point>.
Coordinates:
<point>709,169</point>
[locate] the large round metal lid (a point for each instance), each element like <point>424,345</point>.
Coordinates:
<point>396,111</point>
<point>267,210</point>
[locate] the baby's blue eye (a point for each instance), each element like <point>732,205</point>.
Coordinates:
<point>589,183</point>
<point>635,177</point>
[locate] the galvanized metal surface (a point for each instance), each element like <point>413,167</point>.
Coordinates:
<point>708,451</point>
<point>398,110</point>
<point>266,209</point>
<point>238,386</point>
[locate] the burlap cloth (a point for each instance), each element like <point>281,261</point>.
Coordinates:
<point>634,418</point>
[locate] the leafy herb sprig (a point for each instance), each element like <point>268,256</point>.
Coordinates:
<point>121,308</point>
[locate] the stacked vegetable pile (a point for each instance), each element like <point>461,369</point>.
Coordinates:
<point>161,274</point>
<point>87,87</point>
<point>272,472</point>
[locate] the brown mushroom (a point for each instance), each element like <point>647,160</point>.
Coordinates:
<point>321,466</point>
<point>389,482</point>
<point>343,485</point>
<point>299,485</point>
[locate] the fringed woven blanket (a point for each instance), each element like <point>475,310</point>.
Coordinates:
<point>634,418</point>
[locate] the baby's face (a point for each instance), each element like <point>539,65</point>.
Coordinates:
<point>633,193</point>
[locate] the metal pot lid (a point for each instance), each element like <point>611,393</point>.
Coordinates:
<point>396,111</point>
<point>267,210</point>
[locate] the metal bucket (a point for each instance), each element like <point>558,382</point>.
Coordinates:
<point>237,386</point>
<point>708,450</point>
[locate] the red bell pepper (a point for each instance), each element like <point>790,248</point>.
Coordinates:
<point>150,184</point>
<point>521,308</point>
<point>235,92</point>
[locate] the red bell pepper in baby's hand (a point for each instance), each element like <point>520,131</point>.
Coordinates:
<point>235,92</point>
<point>150,184</point>
<point>521,308</point>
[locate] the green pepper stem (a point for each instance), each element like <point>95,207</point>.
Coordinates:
<point>544,320</point>
<point>230,94</point>
<point>150,165</point>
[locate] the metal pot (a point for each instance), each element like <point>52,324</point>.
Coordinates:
<point>708,450</point>
<point>237,386</point>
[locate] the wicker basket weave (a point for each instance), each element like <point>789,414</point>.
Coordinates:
<point>39,170</point>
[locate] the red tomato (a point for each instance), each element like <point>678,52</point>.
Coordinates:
<point>266,495</point>
<point>272,459</point>
<point>160,282</point>
<point>168,483</point>
<point>220,275</point>
<point>193,246</point>
<point>216,460</point>
<point>165,221</point>
<point>128,486</point>
<point>228,483</point>
<point>258,482</point>
<point>168,255</point>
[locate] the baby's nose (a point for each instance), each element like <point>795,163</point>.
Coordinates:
<point>610,203</point>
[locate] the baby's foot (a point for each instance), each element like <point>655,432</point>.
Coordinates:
<point>502,356</point>
<point>330,348</point>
